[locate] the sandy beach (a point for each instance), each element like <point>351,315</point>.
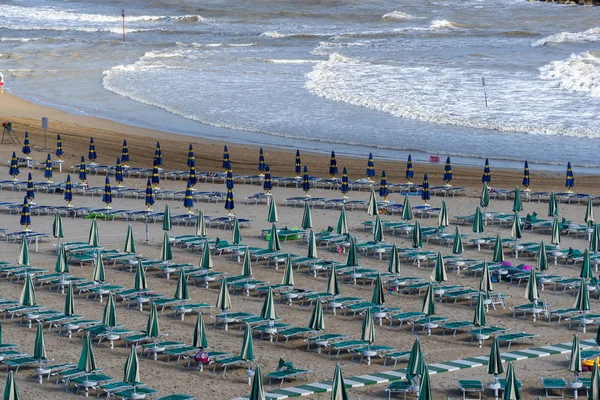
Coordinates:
<point>169,377</point>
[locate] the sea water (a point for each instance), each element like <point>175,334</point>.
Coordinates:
<point>388,77</point>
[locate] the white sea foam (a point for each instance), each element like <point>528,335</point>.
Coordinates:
<point>579,73</point>
<point>442,24</point>
<point>273,34</point>
<point>283,61</point>
<point>591,35</point>
<point>22,40</point>
<point>398,16</point>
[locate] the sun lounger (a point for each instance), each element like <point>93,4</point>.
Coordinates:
<point>405,317</point>
<point>294,332</point>
<point>155,348</point>
<point>228,362</point>
<point>513,337</point>
<point>324,340</point>
<point>395,356</point>
<point>94,379</point>
<point>212,357</point>
<point>400,387</point>
<point>502,382</point>
<point>529,308</point>
<point>19,362</point>
<point>455,326</point>
<point>177,397</point>
<point>423,322</point>
<point>380,350</point>
<point>285,371</point>
<point>134,394</point>
<point>347,345</point>
<point>470,386</point>
<point>562,312</point>
<point>486,332</point>
<point>554,384</point>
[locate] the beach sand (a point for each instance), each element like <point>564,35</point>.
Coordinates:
<point>169,377</point>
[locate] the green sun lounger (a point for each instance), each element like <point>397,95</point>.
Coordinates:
<point>348,345</point>
<point>470,386</point>
<point>287,374</point>
<point>177,397</point>
<point>455,326</point>
<point>134,393</point>
<point>399,387</point>
<point>554,385</point>
<point>396,356</point>
<point>324,340</point>
<point>513,337</point>
<point>96,379</point>
<point>228,362</point>
<point>296,331</point>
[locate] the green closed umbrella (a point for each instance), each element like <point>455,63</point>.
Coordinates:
<point>10,390</point>
<point>98,274</point>
<point>368,331</point>
<point>152,326</point>
<point>129,241</point>
<point>274,243</point>
<point>199,340</point>
<point>131,370</point>
<point>495,360</point>
<point>425,385</point>
<point>165,251</point>
<point>595,239</point>
<point>478,222</point>
<point>484,199</point>
<point>589,213</point>
<point>342,226</point>
<point>312,245</point>
<point>555,240</point>
<point>258,391</point>
<point>57,227</point>
<point>93,239</point>
<point>498,251</point>
<point>428,302</point>
<point>317,322</point>
<point>542,258</point>
<point>515,231</point>
<point>552,205</point>
<point>372,204</point>
<point>39,346</point>
<point>206,262</point>
<point>582,301</point>
<point>167,226</point>
<point>378,296</point>
<point>517,202</point>
<point>247,265</point>
<point>267,311</point>
<point>575,361</point>
<point>28,293</point>
<point>272,215</point>
<point>181,291</point>
<point>586,271</point>
<point>511,389</point>
<point>457,247</point>
<point>333,287</point>
<point>109,316</point>
<point>439,273</point>
<point>416,363</point>
<point>594,389</point>
<point>485,284</point>
<point>378,231</point>
<point>87,361</point>
<point>237,235</point>
<point>201,225</point>
<point>532,292</point>
<point>352,259</point>
<point>407,213</point>
<point>338,389</point>
<point>394,264</point>
<point>288,273</point>
<point>307,217</point>
<point>139,283</point>
<point>69,303</point>
<point>62,264</point>
<point>479,319</point>
<point>443,217</point>
<point>417,239</point>
<point>23,257</point>
<point>223,301</point>
<point>247,352</point>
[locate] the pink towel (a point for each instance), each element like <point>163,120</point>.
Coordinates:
<point>527,267</point>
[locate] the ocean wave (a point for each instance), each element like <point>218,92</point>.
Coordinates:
<point>591,35</point>
<point>57,28</point>
<point>283,61</point>
<point>22,40</point>
<point>398,16</point>
<point>579,73</point>
<point>442,24</point>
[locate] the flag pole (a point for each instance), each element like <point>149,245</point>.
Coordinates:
<point>123,16</point>
<point>484,89</point>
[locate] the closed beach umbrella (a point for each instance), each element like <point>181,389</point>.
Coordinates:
<point>223,301</point>
<point>149,200</point>
<point>107,195</point>
<point>268,182</point>
<point>62,265</point>
<point>531,290</point>
<point>39,346</point>
<point>383,187</point>
<point>495,366</point>
<point>14,167</point>
<point>10,390</point>
<point>139,282</point>
<point>457,247</point>
<point>595,239</point>
<point>582,301</point>
<point>181,290</point>
<point>30,189</point>
<point>589,213</point>
<point>487,177</point>
<point>594,389</point>
<point>129,241</point>
<point>27,298</point>
<point>352,259</point>
<point>201,225</point>
<point>552,205</point>
<point>272,215</point>
<point>586,271</point>
<point>511,390</point>
<point>158,155</point>
<point>199,339</point>
<point>394,264</point>
<point>257,392</point>
<point>517,202</point>
<point>428,302</point>
<point>188,199</point>
<point>515,231</point>
<point>378,297</point>
<point>305,181</point>
<point>498,250</point>
<point>23,257</point>
<point>87,360</point>
<point>155,176</point>
<point>82,171</point>
<point>526,182</point>
<point>247,353</point>
<point>98,274</point>
<point>542,258</point>
<point>486,284</point>
<point>119,173</point>
<point>417,239</point>
<point>307,217</point>
<point>247,265</point>
<point>333,168</point>
<point>409,170</point>
<point>48,169</point>
<point>288,273</point>
<point>191,157</point>
<point>425,385</point>
<point>57,227</point>
<point>229,202</point>
<point>152,326</point>
<point>92,152</point>
<point>192,178</point>
<point>555,240</point>
<point>416,363</point>
<point>425,195</point>
<point>131,371</point>
<point>484,199</point>
<point>378,231</point>
<point>274,243</point>
<point>368,328</point>
<point>68,194</point>
<point>479,319</point>
<point>236,233</point>
<point>261,162</point>
<point>333,287</point>
<point>226,158</point>
<point>93,237</point>
<point>25,214</point>
<point>575,361</point>
<point>407,213</point>
<point>206,262</point>
<point>370,168</point>
<point>570,179</point>
<point>26,149</point>
<point>165,251</point>
<point>344,188</point>
<point>109,316</point>
<point>125,154</point>
<point>312,245</point>
<point>317,322</point>
<point>298,166</point>
<point>267,311</point>
<point>166,223</point>
<point>443,217</point>
<point>478,221</point>
<point>342,225</point>
<point>338,389</point>
<point>439,273</point>
<point>448,172</point>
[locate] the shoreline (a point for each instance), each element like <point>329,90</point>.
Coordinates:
<point>76,130</point>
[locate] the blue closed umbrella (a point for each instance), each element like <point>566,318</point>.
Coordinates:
<point>107,195</point>
<point>149,200</point>
<point>333,169</point>
<point>344,188</point>
<point>92,151</point>
<point>125,154</point>
<point>229,177</point>
<point>570,181</point>
<point>370,168</point>
<point>82,170</point>
<point>448,172</point>
<point>229,203</point>
<point>59,149</point>
<point>25,214</point>
<point>155,176</point>
<point>410,174</point>
<point>225,157</point>
<point>526,176</point>
<point>487,177</point>
<point>192,179</point>
<point>14,167</point>
<point>261,162</point>
<point>267,183</point>
<point>383,187</point>
<point>26,149</point>
<point>30,188</point>
<point>425,195</point>
<point>188,200</point>
<point>158,154</point>
<point>298,166</point>
<point>191,157</point>
<point>305,181</point>
<point>48,169</point>
<point>68,195</point>
<point>119,173</point>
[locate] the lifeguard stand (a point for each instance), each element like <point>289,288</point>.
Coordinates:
<point>8,134</point>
